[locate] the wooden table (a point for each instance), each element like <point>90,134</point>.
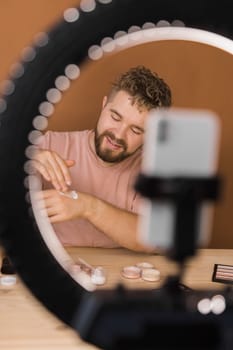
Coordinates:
<point>25,324</point>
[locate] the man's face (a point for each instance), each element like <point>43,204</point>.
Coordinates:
<point>120,128</point>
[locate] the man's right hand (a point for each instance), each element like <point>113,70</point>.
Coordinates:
<point>53,168</point>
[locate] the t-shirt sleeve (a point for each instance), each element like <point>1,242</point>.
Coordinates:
<point>53,141</point>
<point>137,203</point>
<point>58,142</point>
<point>45,141</point>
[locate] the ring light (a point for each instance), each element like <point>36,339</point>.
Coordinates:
<point>36,84</point>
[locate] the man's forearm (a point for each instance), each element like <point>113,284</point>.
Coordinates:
<point>120,225</point>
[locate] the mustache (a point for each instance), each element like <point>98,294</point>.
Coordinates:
<point>120,142</point>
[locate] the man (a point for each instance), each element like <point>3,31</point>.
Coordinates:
<point>98,167</point>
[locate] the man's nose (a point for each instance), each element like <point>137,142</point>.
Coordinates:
<point>120,132</point>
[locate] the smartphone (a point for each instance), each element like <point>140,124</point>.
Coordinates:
<point>178,143</point>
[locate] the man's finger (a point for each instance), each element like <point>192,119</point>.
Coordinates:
<point>65,171</point>
<point>56,218</point>
<point>41,169</point>
<point>56,173</point>
<point>70,162</point>
<point>51,211</point>
<point>48,193</point>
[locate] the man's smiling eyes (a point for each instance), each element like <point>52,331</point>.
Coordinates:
<point>135,129</point>
<point>115,117</point>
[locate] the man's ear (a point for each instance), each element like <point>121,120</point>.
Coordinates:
<point>105,101</point>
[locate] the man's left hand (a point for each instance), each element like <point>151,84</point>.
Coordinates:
<point>61,207</point>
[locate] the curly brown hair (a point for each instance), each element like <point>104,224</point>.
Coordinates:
<point>146,88</point>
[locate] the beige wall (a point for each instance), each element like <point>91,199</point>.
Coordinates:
<point>200,77</point>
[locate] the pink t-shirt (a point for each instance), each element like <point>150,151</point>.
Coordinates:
<point>113,184</point>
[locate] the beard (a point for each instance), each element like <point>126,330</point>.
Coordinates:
<point>106,154</point>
